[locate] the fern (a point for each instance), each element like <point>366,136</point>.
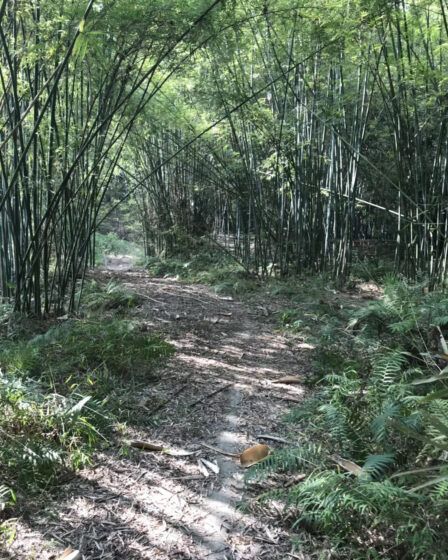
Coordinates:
<point>308,456</point>
<point>386,371</point>
<point>439,491</point>
<point>345,384</point>
<point>335,422</point>
<point>112,296</point>
<point>381,423</point>
<point>436,427</point>
<point>377,465</point>
<point>371,409</point>
<point>337,503</point>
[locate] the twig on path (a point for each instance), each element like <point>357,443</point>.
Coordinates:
<point>150,298</point>
<point>288,399</point>
<point>289,380</point>
<point>146,445</point>
<point>173,396</point>
<point>269,541</point>
<point>274,438</point>
<point>222,452</point>
<point>140,476</point>
<point>70,554</point>
<point>211,394</point>
<point>187,296</point>
<point>188,477</point>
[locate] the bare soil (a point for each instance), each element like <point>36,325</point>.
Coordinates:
<point>217,390</point>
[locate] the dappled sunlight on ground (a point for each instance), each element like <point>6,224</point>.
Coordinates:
<point>216,390</point>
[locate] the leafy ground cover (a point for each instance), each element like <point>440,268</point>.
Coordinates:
<point>375,431</point>
<point>221,271</point>
<point>110,244</point>
<point>63,386</point>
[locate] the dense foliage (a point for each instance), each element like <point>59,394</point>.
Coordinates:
<point>294,134</point>
<point>235,140</point>
<point>75,78</point>
<point>64,391</point>
<point>321,134</point>
<point>380,405</point>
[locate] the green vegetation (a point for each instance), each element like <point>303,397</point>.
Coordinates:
<point>111,244</point>
<point>216,269</point>
<point>78,353</point>
<point>110,296</point>
<point>300,136</point>
<point>304,138</point>
<point>63,392</point>
<point>379,479</point>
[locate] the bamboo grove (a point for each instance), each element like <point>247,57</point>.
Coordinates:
<point>330,135</point>
<point>74,78</point>
<point>290,132</point>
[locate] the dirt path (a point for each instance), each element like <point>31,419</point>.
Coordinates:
<point>219,391</point>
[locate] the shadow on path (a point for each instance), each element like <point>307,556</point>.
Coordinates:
<point>219,391</point>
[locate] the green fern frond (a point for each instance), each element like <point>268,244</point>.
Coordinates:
<point>307,456</point>
<point>387,368</point>
<point>413,421</point>
<point>381,423</point>
<point>404,326</point>
<point>343,385</point>
<point>377,465</point>
<point>335,421</point>
<point>336,502</point>
<point>440,491</point>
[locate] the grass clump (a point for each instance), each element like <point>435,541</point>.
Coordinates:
<point>63,391</point>
<point>110,296</point>
<point>43,433</point>
<point>215,269</point>
<point>78,353</point>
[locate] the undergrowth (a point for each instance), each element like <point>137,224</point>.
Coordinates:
<point>110,296</point>
<point>378,485</point>
<point>111,244</point>
<point>65,388</point>
<point>216,269</point>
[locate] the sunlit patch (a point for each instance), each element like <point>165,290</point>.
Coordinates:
<point>151,505</point>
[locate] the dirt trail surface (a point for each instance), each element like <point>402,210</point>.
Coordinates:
<point>217,390</point>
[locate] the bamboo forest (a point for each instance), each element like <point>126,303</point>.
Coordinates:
<point>223,279</point>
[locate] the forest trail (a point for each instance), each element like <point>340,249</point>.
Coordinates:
<point>217,390</point>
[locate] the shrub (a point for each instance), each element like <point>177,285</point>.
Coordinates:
<point>215,269</point>
<point>74,353</point>
<point>43,432</point>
